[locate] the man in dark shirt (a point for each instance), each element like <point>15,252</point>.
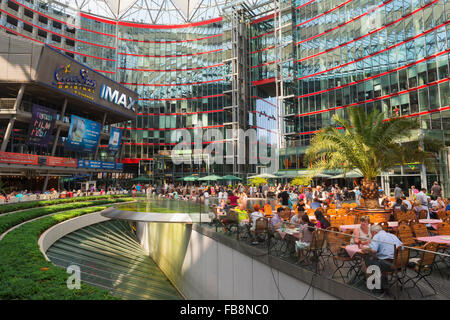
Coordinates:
<point>436,190</point>
<point>284,195</point>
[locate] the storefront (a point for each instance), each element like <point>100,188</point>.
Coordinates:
<point>58,117</point>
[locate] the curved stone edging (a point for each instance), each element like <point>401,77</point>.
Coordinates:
<point>50,236</point>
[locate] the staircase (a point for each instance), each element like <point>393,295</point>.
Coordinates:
<point>110,257</point>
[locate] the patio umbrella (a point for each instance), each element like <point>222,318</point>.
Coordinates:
<point>20,196</point>
<point>351,174</point>
<point>322,175</point>
<point>264,175</point>
<point>141,179</point>
<point>210,178</point>
<point>190,178</point>
<point>231,177</point>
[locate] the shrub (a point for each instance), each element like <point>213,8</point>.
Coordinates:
<point>21,276</point>
<point>11,220</point>
<point>34,204</point>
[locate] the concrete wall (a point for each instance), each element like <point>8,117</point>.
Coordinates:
<point>203,268</point>
<point>50,236</point>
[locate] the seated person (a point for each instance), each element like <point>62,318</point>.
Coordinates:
<point>406,203</point>
<point>297,218</point>
<point>322,222</point>
<point>306,232</point>
<point>222,207</point>
<point>362,234</point>
<point>448,204</point>
<point>286,214</point>
<point>382,247</point>
<point>301,205</point>
<point>256,215</point>
<point>316,203</point>
<point>434,212</point>
<point>385,203</point>
<point>399,205</point>
<point>419,207</point>
<point>275,222</point>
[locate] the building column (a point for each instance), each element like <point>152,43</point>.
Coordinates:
<point>58,130</point>
<point>423,177</point>
<point>13,118</point>
<point>98,144</point>
<point>55,142</point>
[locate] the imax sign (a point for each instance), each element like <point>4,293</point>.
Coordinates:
<point>116,97</point>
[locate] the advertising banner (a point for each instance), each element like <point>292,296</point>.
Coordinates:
<point>115,139</point>
<point>18,158</point>
<point>108,165</point>
<point>119,166</point>
<point>95,164</point>
<point>84,134</point>
<point>61,162</point>
<point>41,126</point>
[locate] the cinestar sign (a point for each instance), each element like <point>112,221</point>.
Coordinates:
<point>116,97</point>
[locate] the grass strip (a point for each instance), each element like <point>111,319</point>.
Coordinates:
<point>21,276</point>
<point>43,203</point>
<point>11,220</point>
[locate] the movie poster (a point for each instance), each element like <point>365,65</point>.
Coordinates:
<point>41,126</point>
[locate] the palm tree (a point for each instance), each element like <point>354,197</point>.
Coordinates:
<point>369,143</point>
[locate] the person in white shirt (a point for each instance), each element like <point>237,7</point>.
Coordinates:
<point>256,214</point>
<point>407,203</point>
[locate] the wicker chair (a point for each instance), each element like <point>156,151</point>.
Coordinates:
<point>313,254</point>
<point>405,235</point>
<point>399,267</point>
<point>423,266</point>
<point>335,241</point>
<point>423,214</point>
<point>336,221</point>
<point>420,230</point>
<point>443,229</point>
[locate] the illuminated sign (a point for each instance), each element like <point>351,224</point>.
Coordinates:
<point>80,84</point>
<point>114,96</point>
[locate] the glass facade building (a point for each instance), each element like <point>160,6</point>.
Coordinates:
<point>282,67</point>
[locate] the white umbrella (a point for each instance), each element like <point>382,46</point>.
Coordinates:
<point>264,175</point>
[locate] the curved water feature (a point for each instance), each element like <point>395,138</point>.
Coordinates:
<point>161,210</point>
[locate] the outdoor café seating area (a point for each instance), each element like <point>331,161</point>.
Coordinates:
<point>420,268</point>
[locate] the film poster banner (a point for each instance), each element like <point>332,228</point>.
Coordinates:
<point>83,134</point>
<point>41,126</point>
<point>115,139</point>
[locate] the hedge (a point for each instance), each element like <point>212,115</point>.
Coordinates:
<point>42,203</point>
<point>21,276</point>
<point>11,220</point>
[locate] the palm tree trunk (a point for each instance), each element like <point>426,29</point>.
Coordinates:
<point>370,194</point>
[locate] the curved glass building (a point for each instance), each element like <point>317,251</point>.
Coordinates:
<point>282,67</point>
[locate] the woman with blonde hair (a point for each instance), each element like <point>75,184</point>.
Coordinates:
<point>362,234</point>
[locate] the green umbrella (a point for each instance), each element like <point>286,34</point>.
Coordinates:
<point>190,178</point>
<point>210,178</point>
<point>141,179</point>
<point>231,177</point>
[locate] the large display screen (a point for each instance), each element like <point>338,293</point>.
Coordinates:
<point>84,134</point>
